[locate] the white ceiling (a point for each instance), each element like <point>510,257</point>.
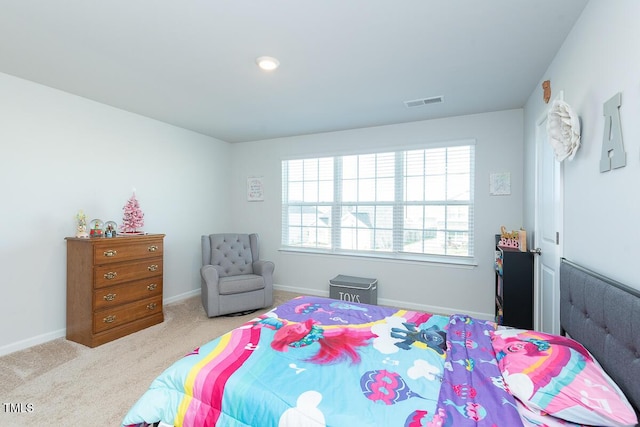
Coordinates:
<point>344,63</point>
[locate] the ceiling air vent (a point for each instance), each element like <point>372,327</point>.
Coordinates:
<point>424,101</point>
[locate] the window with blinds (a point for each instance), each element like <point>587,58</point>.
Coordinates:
<point>415,203</point>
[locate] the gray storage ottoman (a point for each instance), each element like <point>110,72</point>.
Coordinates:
<point>354,289</point>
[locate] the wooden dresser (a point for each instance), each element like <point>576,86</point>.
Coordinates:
<point>114,286</point>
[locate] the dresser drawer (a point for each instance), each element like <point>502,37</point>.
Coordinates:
<point>117,250</point>
<point>121,315</point>
<point>121,294</point>
<point>113,274</point>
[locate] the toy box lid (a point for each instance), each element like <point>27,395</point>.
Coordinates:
<point>353,282</point>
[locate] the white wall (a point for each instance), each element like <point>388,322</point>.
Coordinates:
<point>601,210</point>
<point>435,287</point>
<point>61,153</point>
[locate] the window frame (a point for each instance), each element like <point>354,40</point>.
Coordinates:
<point>398,223</point>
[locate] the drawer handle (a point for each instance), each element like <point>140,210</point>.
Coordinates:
<point>109,319</point>
<point>152,306</point>
<point>152,287</point>
<point>110,253</point>
<point>110,275</point>
<point>152,267</point>
<point>109,297</point>
<point>152,248</point>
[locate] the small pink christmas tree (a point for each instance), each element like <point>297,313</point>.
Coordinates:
<point>133,218</point>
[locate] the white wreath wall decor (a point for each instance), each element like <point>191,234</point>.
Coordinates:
<point>563,130</point>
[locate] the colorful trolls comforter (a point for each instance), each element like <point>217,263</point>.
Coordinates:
<point>321,362</point>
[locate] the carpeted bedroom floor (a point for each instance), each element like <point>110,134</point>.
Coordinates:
<point>61,383</point>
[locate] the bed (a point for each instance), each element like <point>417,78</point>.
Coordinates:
<point>317,362</point>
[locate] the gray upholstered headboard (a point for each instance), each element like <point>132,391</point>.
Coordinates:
<point>604,316</point>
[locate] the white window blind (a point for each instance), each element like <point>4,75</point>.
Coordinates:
<point>414,203</point>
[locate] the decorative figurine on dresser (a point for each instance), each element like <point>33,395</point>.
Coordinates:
<point>81,230</point>
<point>114,286</point>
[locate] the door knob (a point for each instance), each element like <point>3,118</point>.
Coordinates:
<point>536,251</point>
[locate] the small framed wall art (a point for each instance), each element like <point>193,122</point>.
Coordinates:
<point>500,183</point>
<point>255,189</point>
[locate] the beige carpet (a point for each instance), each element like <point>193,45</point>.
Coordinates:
<point>61,383</point>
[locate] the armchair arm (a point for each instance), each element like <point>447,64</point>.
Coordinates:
<point>210,294</point>
<point>263,268</point>
<point>209,275</point>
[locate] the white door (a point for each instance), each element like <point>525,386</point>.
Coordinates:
<point>548,233</point>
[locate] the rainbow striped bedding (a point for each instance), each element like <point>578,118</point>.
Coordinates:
<point>321,362</point>
<point>309,362</point>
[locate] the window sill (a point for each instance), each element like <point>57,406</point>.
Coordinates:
<point>392,257</point>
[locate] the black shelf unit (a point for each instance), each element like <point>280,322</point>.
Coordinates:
<point>513,287</point>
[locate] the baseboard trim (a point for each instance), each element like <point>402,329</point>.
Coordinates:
<point>183,296</point>
<point>30,342</point>
<point>301,291</point>
<point>61,333</point>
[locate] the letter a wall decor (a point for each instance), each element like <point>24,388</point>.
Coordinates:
<point>613,155</point>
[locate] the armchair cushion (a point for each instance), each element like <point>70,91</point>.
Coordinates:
<point>240,284</point>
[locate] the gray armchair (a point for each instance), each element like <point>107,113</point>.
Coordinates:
<point>234,279</point>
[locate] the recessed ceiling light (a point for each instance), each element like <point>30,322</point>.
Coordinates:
<point>267,63</point>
